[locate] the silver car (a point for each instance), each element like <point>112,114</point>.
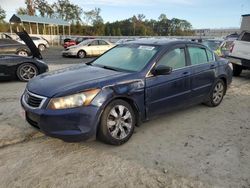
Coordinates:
<point>91,47</point>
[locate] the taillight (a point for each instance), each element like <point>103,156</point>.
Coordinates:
<point>231,48</point>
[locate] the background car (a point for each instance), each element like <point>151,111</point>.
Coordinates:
<point>130,84</point>
<point>22,68</point>
<point>71,42</point>
<point>10,46</point>
<point>90,47</point>
<point>40,42</point>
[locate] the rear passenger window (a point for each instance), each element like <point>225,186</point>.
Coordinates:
<point>210,56</point>
<point>197,55</point>
<point>175,59</point>
<point>246,37</point>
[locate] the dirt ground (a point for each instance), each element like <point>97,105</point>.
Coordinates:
<point>194,147</point>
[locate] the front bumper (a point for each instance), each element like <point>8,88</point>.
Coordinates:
<point>239,61</point>
<point>69,53</point>
<point>70,125</point>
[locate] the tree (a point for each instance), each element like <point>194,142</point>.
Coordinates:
<point>2,15</point>
<point>67,11</point>
<point>44,8</point>
<point>22,11</point>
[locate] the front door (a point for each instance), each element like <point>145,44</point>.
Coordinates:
<point>166,92</point>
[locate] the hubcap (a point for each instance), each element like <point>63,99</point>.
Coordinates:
<point>119,122</point>
<point>22,53</point>
<point>41,48</point>
<point>27,72</point>
<point>81,54</point>
<point>218,93</point>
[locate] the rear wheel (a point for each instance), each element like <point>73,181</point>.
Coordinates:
<point>117,123</point>
<point>41,47</point>
<point>237,70</point>
<point>22,53</point>
<point>217,94</point>
<point>81,54</point>
<point>26,72</point>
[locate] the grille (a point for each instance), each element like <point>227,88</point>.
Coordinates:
<point>33,101</point>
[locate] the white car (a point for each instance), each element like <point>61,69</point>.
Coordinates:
<point>40,42</point>
<point>91,47</point>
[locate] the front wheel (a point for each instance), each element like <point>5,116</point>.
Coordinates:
<point>41,47</point>
<point>217,94</point>
<point>117,123</point>
<point>27,71</point>
<point>81,54</point>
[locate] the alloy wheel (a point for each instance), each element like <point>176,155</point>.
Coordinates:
<point>119,122</point>
<point>218,93</point>
<point>27,72</point>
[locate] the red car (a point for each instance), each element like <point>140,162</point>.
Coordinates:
<point>70,42</point>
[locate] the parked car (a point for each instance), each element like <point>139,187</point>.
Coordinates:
<point>20,67</point>
<point>71,42</point>
<point>122,41</point>
<point>129,84</point>
<point>40,42</point>
<point>10,46</point>
<point>91,47</point>
<point>240,53</point>
<point>213,44</point>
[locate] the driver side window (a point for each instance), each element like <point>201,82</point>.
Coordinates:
<point>174,58</point>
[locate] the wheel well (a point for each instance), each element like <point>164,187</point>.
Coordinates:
<point>82,51</point>
<point>225,81</point>
<point>29,63</point>
<point>134,107</point>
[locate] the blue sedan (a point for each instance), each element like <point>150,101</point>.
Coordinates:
<point>129,84</point>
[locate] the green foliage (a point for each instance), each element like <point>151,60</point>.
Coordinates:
<point>91,22</point>
<point>2,15</point>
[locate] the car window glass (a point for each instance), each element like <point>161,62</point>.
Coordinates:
<point>197,55</point>
<point>101,42</point>
<point>210,56</point>
<point>94,43</point>
<point>34,38</point>
<point>246,37</point>
<point>175,59</point>
<point>128,58</point>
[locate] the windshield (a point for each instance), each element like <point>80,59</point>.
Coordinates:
<point>84,42</point>
<point>127,58</point>
<point>213,45</point>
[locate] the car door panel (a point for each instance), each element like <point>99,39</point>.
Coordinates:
<point>202,78</point>
<point>167,92</point>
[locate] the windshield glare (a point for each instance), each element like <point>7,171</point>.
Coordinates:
<point>84,42</point>
<point>128,58</point>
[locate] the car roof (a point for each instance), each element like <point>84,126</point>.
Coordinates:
<point>163,42</point>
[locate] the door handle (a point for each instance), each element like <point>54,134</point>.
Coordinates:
<point>186,73</point>
<point>212,66</point>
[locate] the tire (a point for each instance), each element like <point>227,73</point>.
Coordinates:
<point>26,71</point>
<point>81,54</point>
<point>41,47</point>
<point>22,53</point>
<point>217,94</point>
<point>117,123</point>
<point>237,70</point>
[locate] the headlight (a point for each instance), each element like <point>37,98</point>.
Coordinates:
<point>72,101</point>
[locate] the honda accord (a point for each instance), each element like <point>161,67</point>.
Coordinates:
<point>129,84</point>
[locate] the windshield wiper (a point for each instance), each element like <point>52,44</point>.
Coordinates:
<point>110,68</point>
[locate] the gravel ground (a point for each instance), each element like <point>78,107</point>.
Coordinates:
<point>194,147</point>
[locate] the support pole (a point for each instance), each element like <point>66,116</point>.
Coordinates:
<point>37,29</point>
<point>30,28</point>
<point>44,29</point>
<point>11,28</point>
<point>63,31</point>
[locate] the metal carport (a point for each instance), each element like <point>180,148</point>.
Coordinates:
<point>52,23</point>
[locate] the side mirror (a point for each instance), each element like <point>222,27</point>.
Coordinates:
<point>162,70</point>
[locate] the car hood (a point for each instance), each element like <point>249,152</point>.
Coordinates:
<point>71,80</point>
<point>29,42</point>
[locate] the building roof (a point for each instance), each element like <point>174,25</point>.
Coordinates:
<point>16,18</point>
<point>245,15</point>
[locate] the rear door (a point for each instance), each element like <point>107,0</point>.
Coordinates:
<point>103,46</point>
<point>165,92</point>
<point>203,71</point>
